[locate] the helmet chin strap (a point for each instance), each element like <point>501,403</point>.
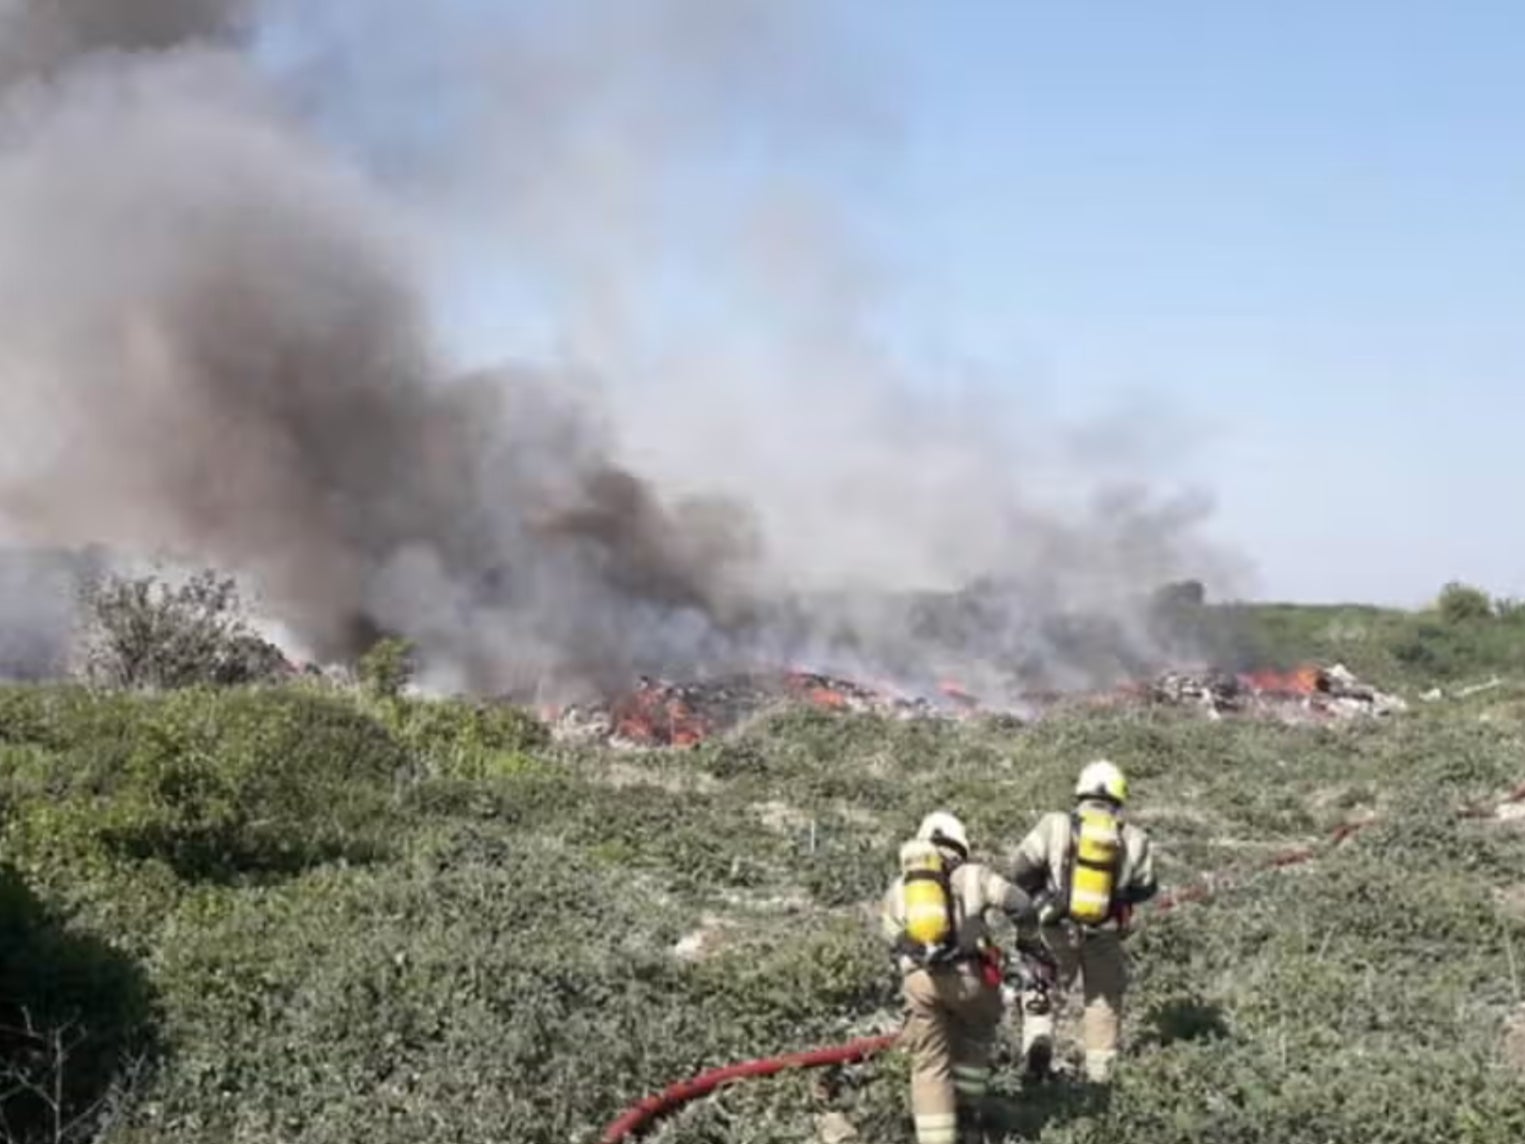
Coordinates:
<point>944,843</point>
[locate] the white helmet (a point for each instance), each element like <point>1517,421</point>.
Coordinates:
<point>943,829</point>
<point>1102,779</point>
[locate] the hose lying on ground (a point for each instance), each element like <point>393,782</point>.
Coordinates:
<point>1209,884</point>
<point>640,1115</point>
<point>658,1104</point>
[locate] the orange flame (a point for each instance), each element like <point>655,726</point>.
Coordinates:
<point>827,697</point>
<point>958,693</point>
<point>655,715</point>
<point>1305,680</point>
<point>814,689</point>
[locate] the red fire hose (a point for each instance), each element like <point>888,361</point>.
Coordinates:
<point>640,1115</point>
<point>1209,884</point>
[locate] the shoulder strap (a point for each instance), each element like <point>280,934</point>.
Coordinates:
<point>1067,874</point>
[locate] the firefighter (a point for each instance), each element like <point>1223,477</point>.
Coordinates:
<point>1087,869</point>
<point>936,916</point>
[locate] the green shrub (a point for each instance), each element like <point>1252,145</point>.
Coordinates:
<point>1461,603</point>
<point>143,632</point>
<point>215,783</point>
<point>516,958</point>
<point>459,739</point>
<point>387,668</point>
<point>75,1022</point>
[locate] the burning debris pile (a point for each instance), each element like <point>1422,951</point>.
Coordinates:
<point>660,713</point>
<point>1308,691</point>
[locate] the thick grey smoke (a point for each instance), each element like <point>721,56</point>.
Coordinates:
<point>38,38</point>
<point>217,292</point>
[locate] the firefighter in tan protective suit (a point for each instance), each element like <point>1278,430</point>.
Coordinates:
<point>936,915</point>
<point>1088,868</point>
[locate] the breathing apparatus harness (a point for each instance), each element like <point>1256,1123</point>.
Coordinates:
<point>1086,896</point>
<point>1091,873</point>
<point>931,939</point>
<point>931,924</point>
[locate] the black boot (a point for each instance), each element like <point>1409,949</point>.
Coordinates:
<point>971,1124</point>
<point>1039,1065</point>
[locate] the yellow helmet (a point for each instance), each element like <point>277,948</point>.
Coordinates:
<point>1102,779</point>
<point>943,829</point>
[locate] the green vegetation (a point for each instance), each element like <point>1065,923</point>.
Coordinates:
<point>144,632</point>
<point>322,929</point>
<point>1464,636</point>
<point>305,913</point>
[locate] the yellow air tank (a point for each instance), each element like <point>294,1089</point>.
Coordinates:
<point>1098,841</point>
<point>928,897</point>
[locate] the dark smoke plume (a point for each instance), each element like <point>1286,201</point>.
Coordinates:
<point>38,38</point>
<point>209,320</point>
<point>215,344</point>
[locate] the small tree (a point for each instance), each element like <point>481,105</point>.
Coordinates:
<point>1462,603</point>
<point>142,632</point>
<point>1181,594</point>
<point>386,668</point>
<point>1509,609</point>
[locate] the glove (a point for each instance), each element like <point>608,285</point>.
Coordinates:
<point>1033,949</point>
<point>1050,912</point>
<point>1124,918</point>
<point>942,951</point>
<point>905,947</point>
<point>1022,911</point>
<point>921,954</point>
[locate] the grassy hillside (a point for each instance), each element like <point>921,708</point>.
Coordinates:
<point>291,914</point>
<point>1464,637</point>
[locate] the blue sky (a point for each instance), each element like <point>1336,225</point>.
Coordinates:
<point>1302,224</point>
<point>1297,225</point>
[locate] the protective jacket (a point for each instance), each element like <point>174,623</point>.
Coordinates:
<point>1044,857</point>
<point>952,1007</point>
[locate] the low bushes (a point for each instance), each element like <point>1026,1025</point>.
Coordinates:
<point>75,1022</point>
<point>214,783</point>
<point>328,917</point>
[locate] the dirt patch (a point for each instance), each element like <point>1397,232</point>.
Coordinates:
<point>786,818</point>
<point>856,815</point>
<point>1175,812</point>
<point>621,775</point>
<point>1511,901</point>
<point>1352,801</point>
<point>1512,813</point>
<point>1513,1048</point>
<point>881,766</point>
<point>835,1128</point>
<point>790,900</point>
<point>1264,845</point>
<point>709,939</point>
<point>780,816</point>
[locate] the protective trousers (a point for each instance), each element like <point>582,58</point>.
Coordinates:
<point>1096,957</point>
<point>951,1021</point>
